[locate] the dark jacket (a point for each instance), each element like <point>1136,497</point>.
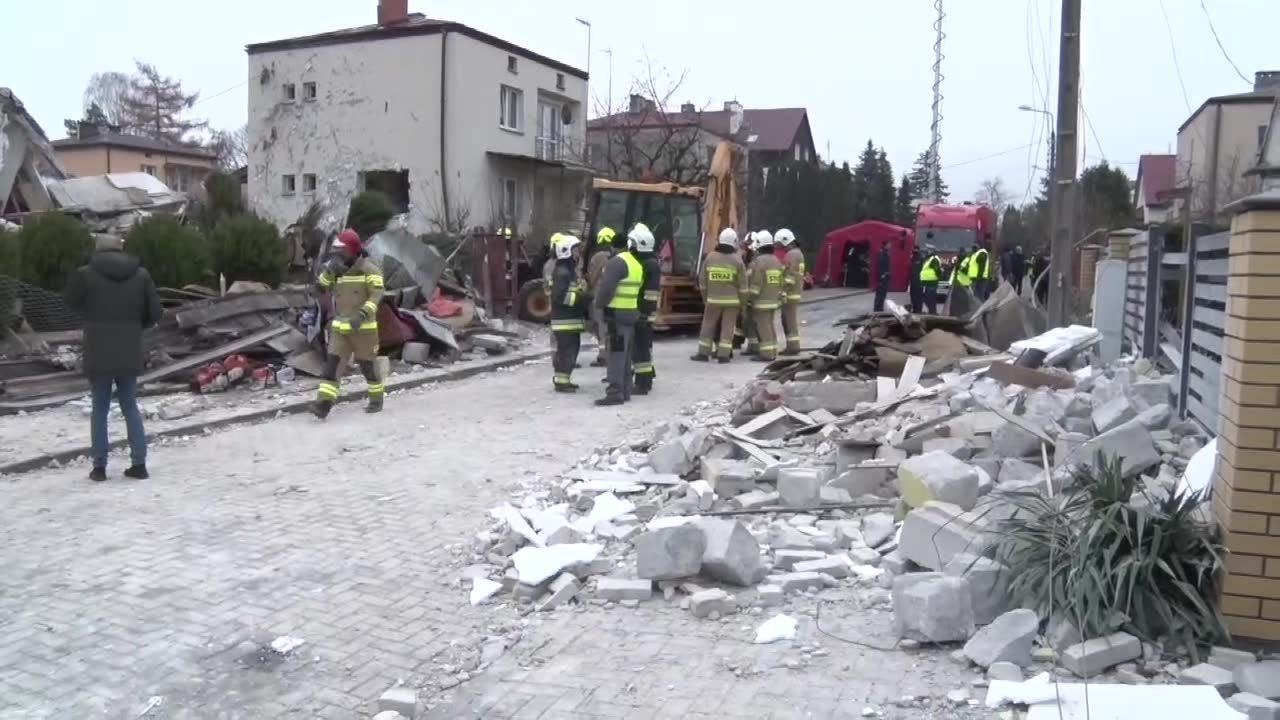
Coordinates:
<point>615,271</point>
<point>651,290</point>
<point>917,262</point>
<point>882,268</point>
<point>568,297</point>
<point>117,299</point>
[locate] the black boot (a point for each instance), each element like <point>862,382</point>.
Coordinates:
<point>700,358</point>
<point>98,474</point>
<point>137,472</point>
<point>641,387</point>
<point>321,408</point>
<point>723,360</point>
<point>375,404</point>
<point>566,388</point>
<point>609,400</point>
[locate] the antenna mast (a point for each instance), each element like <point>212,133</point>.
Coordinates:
<point>935,139</point>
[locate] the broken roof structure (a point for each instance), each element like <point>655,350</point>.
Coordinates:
<point>25,158</point>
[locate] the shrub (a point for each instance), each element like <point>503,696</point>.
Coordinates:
<point>174,254</point>
<point>220,200</point>
<point>246,247</point>
<point>1151,567</point>
<point>369,213</point>
<point>53,245</point>
<point>10,254</point>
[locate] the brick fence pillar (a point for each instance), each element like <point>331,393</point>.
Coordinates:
<point>1246,496</point>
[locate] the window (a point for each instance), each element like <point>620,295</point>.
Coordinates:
<point>392,183</point>
<point>182,178</point>
<point>308,91</point>
<point>149,169</point>
<point>559,81</point>
<point>797,153</point>
<point>290,92</point>
<point>510,203</point>
<point>309,183</point>
<point>288,184</point>
<point>511,109</point>
<point>549,145</point>
<point>511,64</point>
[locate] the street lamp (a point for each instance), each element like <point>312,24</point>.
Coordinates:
<point>1053,168</point>
<point>588,26</point>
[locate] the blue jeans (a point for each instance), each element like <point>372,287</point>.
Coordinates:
<point>126,387</point>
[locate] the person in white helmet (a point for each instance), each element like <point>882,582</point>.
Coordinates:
<point>723,282</point>
<point>766,283</point>
<point>567,311</point>
<point>618,297</point>
<point>793,290</point>
<point>746,319</point>
<point>643,245</point>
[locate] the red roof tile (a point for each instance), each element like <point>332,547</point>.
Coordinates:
<point>1156,175</point>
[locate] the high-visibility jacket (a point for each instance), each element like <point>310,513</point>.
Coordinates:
<point>723,280</point>
<point>358,288</point>
<point>627,295</point>
<point>767,278</point>
<point>960,273</point>
<point>794,262</point>
<point>931,271</point>
<point>567,296</point>
<point>980,266</point>
<point>652,287</point>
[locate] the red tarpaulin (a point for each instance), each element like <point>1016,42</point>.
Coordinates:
<point>866,238</point>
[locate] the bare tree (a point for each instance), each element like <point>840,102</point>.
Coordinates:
<point>154,106</point>
<point>231,147</point>
<point>994,194</point>
<point>107,91</point>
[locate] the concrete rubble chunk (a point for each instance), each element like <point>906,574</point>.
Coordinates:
<point>1013,441</point>
<point>800,581</point>
<point>1130,441</point>
<point>938,476</point>
<point>878,528</point>
<point>800,487</point>
<point>402,700</point>
<point>1112,413</point>
<point>834,496</point>
<point>895,563</point>
<point>619,589</point>
<point>1230,658</point>
<point>1149,393</point>
<point>934,534</point>
<point>958,448</point>
<point>770,595</point>
<point>787,559</point>
<point>561,591</point>
<point>865,556</point>
<point>732,553</point>
<point>1092,657</point>
<point>1017,474</point>
<point>712,601</point>
<point>988,583</point>
<point>756,498</point>
<point>831,565</point>
<point>848,533</point>
<point>701,493</point>
<point>729,477</point>
<point>863,479</point>
<point>822,416</point>
<point>1206,674</point>
<point>935,610</point>
<point>416,353</point>
<point>1007,639</point>
<point>788,538</point>
<point>670,552</point>
<point>562,535</point>
<point>1254,707</point>
<point>1006,671</point>
<point>1156,417</point>
<point>834,397</point>
<point>1260,678</point>
<point>670,458</point>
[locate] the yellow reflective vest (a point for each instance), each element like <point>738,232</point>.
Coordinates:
<point>357,289</point>
<point>931,271</point>
<point>627,296</point>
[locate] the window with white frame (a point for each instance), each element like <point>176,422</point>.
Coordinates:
<point>512,66</point>
<point>308,91</point>
<point>288,184</point>
<point>559,81</point>
<point>511,108</point>
<point>798,152</point>
<point>290,92</point>
<point>509,194</point>
<point>309,183</point>
<point>549,144</point>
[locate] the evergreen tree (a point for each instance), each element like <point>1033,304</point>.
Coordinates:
<point>904,207</point>
<point>920,179</point>
<point>1106,198</point>
<point>154,105</point>
<point>93,115</point>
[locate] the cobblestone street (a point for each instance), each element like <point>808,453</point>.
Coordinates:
<point>167,593</point>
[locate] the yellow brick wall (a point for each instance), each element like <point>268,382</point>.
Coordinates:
<point>1247,480</point>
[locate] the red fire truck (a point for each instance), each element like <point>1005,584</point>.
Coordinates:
<point>954,229</point>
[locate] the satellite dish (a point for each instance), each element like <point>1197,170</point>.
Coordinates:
<point>566,115</point>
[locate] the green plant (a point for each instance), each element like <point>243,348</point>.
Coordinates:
<point>1151,566</point>
<point>246,247</point>
<point>53,245</point>
<point>221,199</point>
<point>174,254</point>
<point>369,213</point>
<point>10,254</point>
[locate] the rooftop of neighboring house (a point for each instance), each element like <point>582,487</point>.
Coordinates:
<point>1266,84</point>
<point>774,129</point>
<point>394,21</point>
<point>133,142</point>
<point>1157,175</point>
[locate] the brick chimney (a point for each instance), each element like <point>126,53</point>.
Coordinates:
<point>688,108</point>
<point>391,12</point>
<point>735,111</point>
<point>1266,79</point>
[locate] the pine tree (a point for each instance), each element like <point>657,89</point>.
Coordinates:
<point>93,115</point>
<point>920,179</point>
<point>904,206</point>
<point>154,105</point>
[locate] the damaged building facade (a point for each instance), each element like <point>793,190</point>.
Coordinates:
<point>459,128</point>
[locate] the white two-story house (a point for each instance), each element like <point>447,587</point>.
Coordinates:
<point>459,128</point>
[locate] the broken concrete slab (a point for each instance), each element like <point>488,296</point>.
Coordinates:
<point>1254,707</point>
<point>878,528</point>
<point>619,589</point>
<point>800,581</point>
<point>755,499</point>
<point>1130,441</point>
<point>1112,413</point>
<point>1100,654</point>
<point>787,559</point>
<point>1007,639</point>
<point>562,590</point>
<point>1156,417</point>
<point>729,477</point>
<point>732,553</point>
<point>988,581</point>
<point>934,534</point>
<point>670,458</point>
<point>1260,678</point>
<point>934,610</point>
<point>938,476</point>
<point>669,553</point>
<point>400,699</point>
<point>838,397</point>
<point>830,565</point>
<point>1230,658</point>
<point>1149,393</point>
<point>864,479</point>
<point>706,602</point>
<point>800,487</point>
<point>1212,675</point>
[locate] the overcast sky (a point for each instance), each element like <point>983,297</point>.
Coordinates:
<point>861,67</point>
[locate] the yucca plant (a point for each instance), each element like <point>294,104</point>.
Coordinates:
<point>1152,568</point>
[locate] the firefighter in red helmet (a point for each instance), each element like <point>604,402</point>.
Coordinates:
<point>356,283</point>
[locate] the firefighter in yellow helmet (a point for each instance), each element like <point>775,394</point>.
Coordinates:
<point>356,283</point>
<point>595,266</point>
<point>618,298</point>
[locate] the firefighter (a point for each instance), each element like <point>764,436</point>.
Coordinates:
<point>643,245</point>
<point>568,296</point>
<point>747,317</point>
<point>960,297</point>
<point>794,290</point>
<point>723,282</point>
<point>980,271</point>
<point>356,282</point>
<point>930,274</point>
<point>913,281</point>
<point>618,298</point>
<point>766,288</point>
<point>595,266</point>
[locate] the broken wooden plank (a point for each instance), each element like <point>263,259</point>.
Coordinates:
<point>752,451</point>
<point>758,442</point>
<point>210,311</point>
<point>1026,377</point>
<point>761,421</point>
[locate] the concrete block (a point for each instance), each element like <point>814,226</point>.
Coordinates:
<point>959,448</point>
<point>878,528</point>
<point>1011,441</point>
<point>1004,671</point>
<point>863,479</point>
<point>715,600</point>
<point>837,396</point>
<point>619,589</point>
<point>848,533</point>
<point>1230,658</point>
<point>700,492</point>
<point>1129,441</point>
<point>897,564</point>
<point>1018,474</point>
<point>822,416</point>
<point>1112,413</point>
<point>938,476</point>
<point>934,534</point>
<point>988,584</point>
<point>935,610</point>
<point>732,553</point>
<point>854,452</point>
<point>787,559</point>
<point>782,537</point>
<point>831,565</point>
<point>1206,674</point>
<point>865,556</point>
<point>1050,404</point>
<point>1260,678</point>
<point>770,595</point>
<point>800,487</point>
<point>562,590</point>
<point>834,496</point>
<point>729,478</point>
<point>755,499</point>
<point>402,700</point>
<point>1254,707</point>
<point>1100,654</point>
<point>670,458</point>
<point>1149,393</point>
<point>1062,633</point>
<point>1156,417</point>
<point>416,353</point>
<point>1007,639</point>
<point>800,581</point>
<point>669,553</point>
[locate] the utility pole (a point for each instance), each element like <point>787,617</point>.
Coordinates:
<point>1061,277</point>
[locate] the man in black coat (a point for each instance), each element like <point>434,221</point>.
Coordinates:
<point>118,300</point>
<point>916,287</point>
<point>1017,268</point>
<point>882,278</point>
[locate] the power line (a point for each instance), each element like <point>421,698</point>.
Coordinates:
<point>1218,40</point>
<point>1089,121</point>
<point>1174,48</point>
<point>987,157</point>
<point>203,100</point>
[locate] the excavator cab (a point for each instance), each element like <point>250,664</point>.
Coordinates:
<point>674,215</point>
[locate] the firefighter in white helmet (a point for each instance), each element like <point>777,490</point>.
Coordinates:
<point>568,317</point>
<point>765,283</point>
<point>644,246</point>
<point>793,288</point>
<point>618,297</point>
<point>723,282</point>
